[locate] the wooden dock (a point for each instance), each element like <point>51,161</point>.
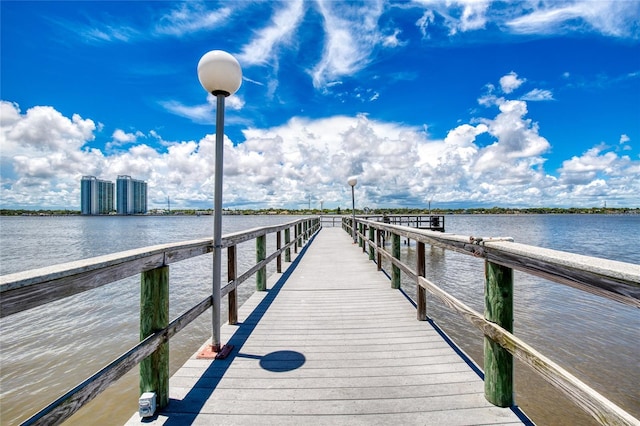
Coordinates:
<point>331,343</point>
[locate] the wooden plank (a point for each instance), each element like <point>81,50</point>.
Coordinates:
<point>39,291</point>
<point>614,280</point>
<point>58,272</point>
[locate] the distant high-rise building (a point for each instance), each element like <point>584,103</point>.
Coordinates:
<point>96,196</point>
<point>131,195</point>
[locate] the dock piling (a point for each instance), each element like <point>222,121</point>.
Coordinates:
<point>154,316</point>
<point>498,308</point>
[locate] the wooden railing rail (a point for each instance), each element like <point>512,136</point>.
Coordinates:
<point>421,221</point>
<point>25,290</point>
<point>614,280</point>
<point>330,220</point>
<point>29,289</point>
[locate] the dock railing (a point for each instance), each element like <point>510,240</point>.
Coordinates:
<point>419,221</point>
<point>331,220</point>
<point>30,289</point>
<point>613,280</point>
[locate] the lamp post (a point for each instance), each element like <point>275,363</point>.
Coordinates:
<point>352,181</point>
<point>220,74</point>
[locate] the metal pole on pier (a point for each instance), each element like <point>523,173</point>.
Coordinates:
<point>220,74</point>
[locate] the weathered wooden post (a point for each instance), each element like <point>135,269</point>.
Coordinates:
<point>261,254</point>
<point>498,308</point>
<point>395,271</point>
<point>232,298</point>
<point>421,270</point>
<point>379,243</point>
<point>372,237</point>
<point>287,240</point>
<point>279,258</point>
<point>295,238</point>
<point>360,231</point>
<point>363,231</point>
<point>154,316</point>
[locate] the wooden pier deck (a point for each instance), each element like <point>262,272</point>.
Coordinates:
<point>330,343</point>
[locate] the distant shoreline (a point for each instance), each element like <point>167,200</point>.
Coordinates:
<point>339,212</point>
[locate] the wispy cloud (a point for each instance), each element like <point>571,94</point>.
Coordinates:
<point>538,95</point>
<point>459,15</point>
<point>101,32</point>
<point>197,113</point>
<point>186,18</point>
<point>190,17</point>
<point>204,113</point>
<point>284,22</point>
<point>612,18</point>
<point>351,34</point>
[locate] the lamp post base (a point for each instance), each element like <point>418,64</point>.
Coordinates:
<point>212,352</point>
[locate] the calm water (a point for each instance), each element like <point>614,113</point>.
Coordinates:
<point>47,350</point>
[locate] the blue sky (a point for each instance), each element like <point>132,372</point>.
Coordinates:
<point>461,103</point>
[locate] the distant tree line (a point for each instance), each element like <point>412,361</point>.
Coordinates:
<point>365,211</point>
<point>41,212</point>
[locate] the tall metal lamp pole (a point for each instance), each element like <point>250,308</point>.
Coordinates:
<point>220,74</point>
<point>353,180</point>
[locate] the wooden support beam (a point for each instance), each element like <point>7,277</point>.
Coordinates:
<point>261,254</point>
<point>232,271</point>
<point>498,308</point>
<point>278,247</point>
<point>421,270</point>
<point>379,240</point>
<point>395,251</point>
<point>287,240</point>
<point>154,316</point>
<point>372,238</point>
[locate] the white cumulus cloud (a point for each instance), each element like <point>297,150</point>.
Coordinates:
<point>510,82</point>
<point>284,166</point>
